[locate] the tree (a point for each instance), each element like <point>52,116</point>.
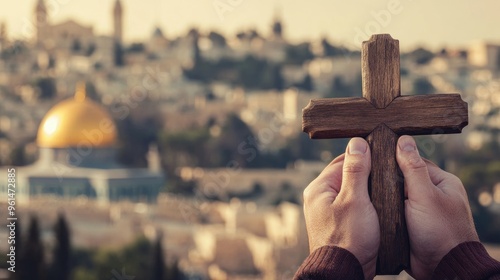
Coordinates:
<point>236,144</point>
<point>119,54</point>
<point>421,55</point>
<point>298,54</point>
<point>136,48</point>
<point>306,84</point>
<point>196,51</point>
<point>90,49</point>
<point>76,46</point>
<point>422,86</point>
<point>217,39</point>
<point>138,129</point>
<point>125,263</point>
<point>46,87</point>
<point>32,256</point>
<point>17,156</point>
<point>331,50</point>
<point>158,261</point>
<point>186,148</point>
<point>341,88</point>
<point>173,271</point>
<point>61,264</point>
<point>286,194</point>
<point>253,34</point>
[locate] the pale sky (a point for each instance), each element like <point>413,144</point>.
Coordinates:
<point>428,23</point>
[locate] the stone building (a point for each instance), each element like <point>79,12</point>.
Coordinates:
<point>70,33</point>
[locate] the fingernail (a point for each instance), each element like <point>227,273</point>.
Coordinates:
<point>407,144</point>
<point>357,146</point>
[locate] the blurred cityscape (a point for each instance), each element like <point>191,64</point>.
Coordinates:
<point>183,158</point>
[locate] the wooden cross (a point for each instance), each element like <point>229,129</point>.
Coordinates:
<point>382,115</point>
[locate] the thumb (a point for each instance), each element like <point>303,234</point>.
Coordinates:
<point>356,169</point>
<point>418,184</point>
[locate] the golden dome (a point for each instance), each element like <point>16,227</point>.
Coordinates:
<point>77,122</point>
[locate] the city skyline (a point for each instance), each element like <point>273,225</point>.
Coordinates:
<point>346,23</point>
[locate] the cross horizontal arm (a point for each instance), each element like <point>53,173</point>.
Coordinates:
<point>414,115</point>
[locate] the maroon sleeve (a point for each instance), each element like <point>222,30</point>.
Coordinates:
<point>468,260</point>
<point>330,262</point>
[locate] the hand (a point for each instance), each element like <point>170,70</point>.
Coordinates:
<point>438,215</point>
<point>338,210</point>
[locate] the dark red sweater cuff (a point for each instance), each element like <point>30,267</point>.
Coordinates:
<point>330,262</point>
<point>468,260</point>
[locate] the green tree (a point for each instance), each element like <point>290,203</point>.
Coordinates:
<point>32,264</point>
<point>422,85</point>
<point>137,130</point>
<point>173,271</point>
<point>158,261</point>
<point>306,84</point>
<point>61,264</point>
<point>130,261</point>
<point>341,88</point>
<point>421,56</point>
<point>17,156</point>
<point>299,54</point>
<point>46,87</point>
<point>186,148</point>
<point>90,49</point>
<point>136,48</point>
<point>331,50</point>
<point>236,144</point>
<point>217,39</point>
<point>479,171</point>
<point>76,46</point>
<point>119,54</point>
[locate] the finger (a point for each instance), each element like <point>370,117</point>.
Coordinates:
<point>417,180</point>
<point>337,159</point>
<point>328,181</point>
<point>443,180</point>
<point>436,174</point>
<point>356,169</point>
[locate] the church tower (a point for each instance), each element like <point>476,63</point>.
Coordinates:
<point>41,21</point>
<point>3,32</point>
<point>277,25</point>
<point>3,36</point>
<point>118,21</point>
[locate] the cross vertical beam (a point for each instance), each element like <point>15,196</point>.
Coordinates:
<point>381,85</point>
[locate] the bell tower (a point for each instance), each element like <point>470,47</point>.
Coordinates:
<point>41,21</point>
<point>277,27</point>
<point>118,21</point>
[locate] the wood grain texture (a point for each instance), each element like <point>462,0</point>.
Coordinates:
<point>380,70</point>
<point>413,115</point>
<point>387,194</point>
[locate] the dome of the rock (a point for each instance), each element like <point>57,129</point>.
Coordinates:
<point>77,122</point>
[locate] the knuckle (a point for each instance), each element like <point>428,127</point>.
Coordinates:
<point>415,162</point>
<point>355,167</point>
<point>346,204</point>
<point>307,193</point>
